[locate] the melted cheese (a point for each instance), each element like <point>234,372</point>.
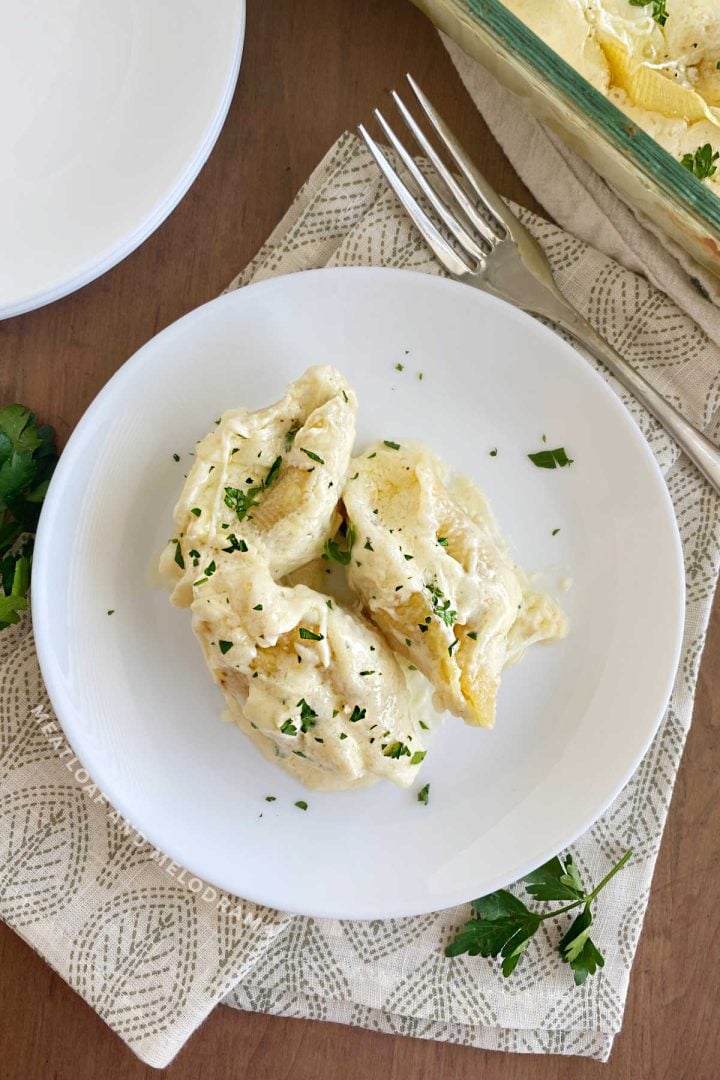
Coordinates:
<point>664,77</point>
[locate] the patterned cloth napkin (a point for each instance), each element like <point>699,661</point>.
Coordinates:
<point>153,949</point>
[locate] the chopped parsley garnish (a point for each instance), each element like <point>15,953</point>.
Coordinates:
<point>310,635</point>
<point>345,397</point>
<point>334,552</point>
<point>225,646</point>
<point>555,532</point>
<point>399,367</point>
<point>417,757</point>
<point>451,647</point>
<point>329,604</point>
<point>357,714</point>
<point>442,541</point>
<point>420,376</point>
<point>368,546</point>
<point>659,9</point>
<point>308,716</point>
<point>472,634</point>
<point>240,501</point>
<point>210,569</point>
<point>408,558</point>
<point>702,163</point>
<point>196,511</point>
<point>273,472</point>
<point>422,628</point>
<point>391,445</point>
<point>299,753</point>
<point>396,750</point>
<point>367,672</point>
<point>424,726</point>
<point>176,457</point>
<point>493,452</point>
<point>343,735</point>
<point>551,459</point>
<point>290,437</point>
<point>111,611</point>
<point>179,555</point>
<point>408,642</point>
<point>301,804</point>
<point>288,728</point>
<point>424,795</point>
<point>270,798</point>
<point>441,605</point>
<point>313,456</point>
<point>235,544</point>
<point>371,456</point>
<point>258,607</point>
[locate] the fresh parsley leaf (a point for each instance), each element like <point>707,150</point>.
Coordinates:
<point>313,456</point>
<point>270,798</point>
<point>288,728</point>
<point>702,163</point>
<point>334,552</point>
<point>179,555</point>
<point>225,646</point>
<point>551,459</point>
<point>503,925</point>
<point>357,714</point>
<point>551,881</point>
<point>442,541</point>
<point>310,635</point>
<point>391,445</point>
<point>424,794</point>
<point>417,757</point>
<point>301,804</point>
<point>27,461</point>
<point>578,950</point>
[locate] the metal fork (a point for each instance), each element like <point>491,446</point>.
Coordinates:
<point>495,252</point>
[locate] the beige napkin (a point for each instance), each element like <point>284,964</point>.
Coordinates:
<point>153,949</point>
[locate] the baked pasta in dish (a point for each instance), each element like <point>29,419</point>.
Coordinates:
<point>656,60</point>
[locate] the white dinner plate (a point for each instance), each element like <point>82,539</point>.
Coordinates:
<point>109,111</point>
<point>573,719</point>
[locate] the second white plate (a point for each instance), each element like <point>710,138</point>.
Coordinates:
<point>132,691</point>
<point>109,110</point>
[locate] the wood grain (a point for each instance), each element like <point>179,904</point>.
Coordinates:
<point>309,72</point>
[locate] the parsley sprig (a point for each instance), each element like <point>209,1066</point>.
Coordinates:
<point>27,460</point>
<point>242,501</point>
<point>503,925</point>
<point>441,605</point>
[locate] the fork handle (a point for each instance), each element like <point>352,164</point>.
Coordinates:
<point>704,454</point>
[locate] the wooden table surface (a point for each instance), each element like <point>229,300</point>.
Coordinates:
<point>310,71</point>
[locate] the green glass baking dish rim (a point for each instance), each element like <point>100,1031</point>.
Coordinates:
<point>674,181</point>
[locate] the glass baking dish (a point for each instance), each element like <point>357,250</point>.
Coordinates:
<point>637,166</point>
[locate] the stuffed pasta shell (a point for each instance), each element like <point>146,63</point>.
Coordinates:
<point>315,687</point>
<point>273,475</point>
<point>432,572</point>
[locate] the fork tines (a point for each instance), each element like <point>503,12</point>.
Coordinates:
<point>454,204</point>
